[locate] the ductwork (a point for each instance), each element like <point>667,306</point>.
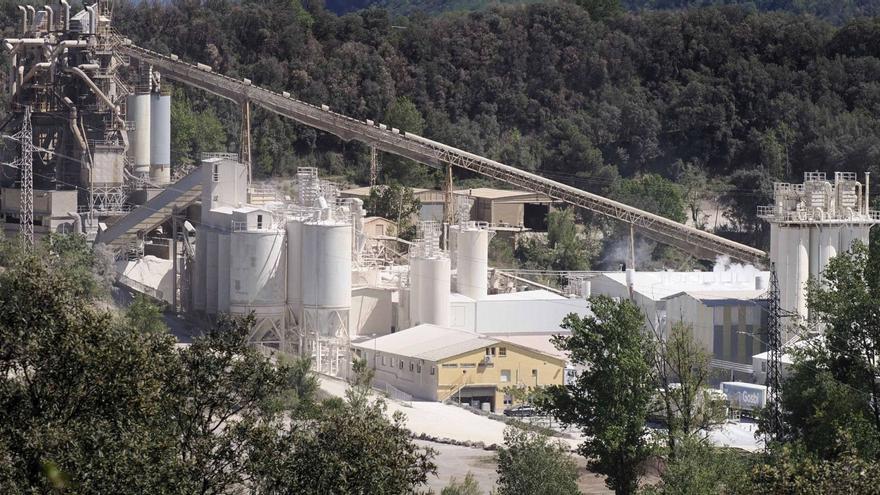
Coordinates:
<point>50,24</point>
<point>33,13</point>
<point>95,89</point>
<point>24,23</point>
<point>31,73</point>
<point>77,222</point>
<point>65,14</point>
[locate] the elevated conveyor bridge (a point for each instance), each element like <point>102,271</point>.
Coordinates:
<point>696,242</point>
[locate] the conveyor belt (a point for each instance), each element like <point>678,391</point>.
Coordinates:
<point>700,244</point>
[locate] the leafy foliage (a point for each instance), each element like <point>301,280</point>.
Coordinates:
<point>396,203</point>
<point>609,399</point>
<point>531,463</point>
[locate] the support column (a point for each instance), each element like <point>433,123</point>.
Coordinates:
<point>174,266</point>
<point>245,147</point>
<point>448,202</point>
<point>374,165</point>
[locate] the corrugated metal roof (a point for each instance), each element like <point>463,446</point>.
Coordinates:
<point>722,295</point>
<point>428,342</point>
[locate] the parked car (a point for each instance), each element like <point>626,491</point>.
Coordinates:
<point>521,411</point>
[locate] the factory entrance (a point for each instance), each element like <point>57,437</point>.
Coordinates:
<point>477,397</point>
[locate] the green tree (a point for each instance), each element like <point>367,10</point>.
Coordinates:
<point>396,203</point>
<point>682,371</point>
<point>467,486</point>
<point>700,468</point>
<point>531,463</point>
<point>145,317</point>
<point>832,399</point>
<point>652,193</point>
<point>600,9</point>
<point>791,469</point>
<point>405,116</point>
<point>609,400</point>
<point>570,250</point>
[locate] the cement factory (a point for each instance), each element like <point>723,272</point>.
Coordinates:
<point>91,129</point>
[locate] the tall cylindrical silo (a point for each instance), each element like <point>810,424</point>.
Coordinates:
<point>257,273</point>
<point>415,290</point>
<point>815,246</point>
<point>141,143</point>
<point>473,262</point>
<point>829,237</point>
<point>224,274</point>
<point>160,139</point>
<point>294,230</point>
<point>434,291</point>
<point>802,269</point>
<point>785,253</point>
<point>326,263</point>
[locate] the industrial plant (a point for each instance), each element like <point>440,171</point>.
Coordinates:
<point>91,127</point>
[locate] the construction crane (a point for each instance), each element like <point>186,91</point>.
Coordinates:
<point>700,244</point>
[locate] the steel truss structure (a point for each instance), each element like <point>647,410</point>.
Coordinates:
<point>698,243</point>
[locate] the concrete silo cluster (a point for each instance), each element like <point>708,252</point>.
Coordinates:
<point>288,263</point>
<point>149,116</point>
<point>810,224</point>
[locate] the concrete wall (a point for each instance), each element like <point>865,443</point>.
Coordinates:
<point>371,311</point>
<point>394,369</point>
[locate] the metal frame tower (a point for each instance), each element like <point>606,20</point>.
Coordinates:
<point>774,349</point>
<point>26,167</point>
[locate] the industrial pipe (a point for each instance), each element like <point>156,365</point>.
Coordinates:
<point>867,193</point>
<point>50,24</point>
<point>89,66</point>
<point>33,12</point>
<point>95,89</point>
<point>66,15</point>
<point>24,28</point>
<point>26,41</point>
<point>76,221</point>
<point>33,71</point>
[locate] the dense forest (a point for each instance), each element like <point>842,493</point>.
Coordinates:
<point>722,100</point>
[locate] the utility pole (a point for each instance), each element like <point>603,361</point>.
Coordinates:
<point>26,165</point>
<point>774,348</point>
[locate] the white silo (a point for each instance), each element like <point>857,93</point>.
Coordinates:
<point>160,139</point>
<point>434,277</point>
<point>472,265</point>
<point>294,228</point>
<point>810,224</point>
<point>326,292</point>
<point>224,280</point>
<point>415,291</point>
<point>258,281</point>
<point>141,141</point>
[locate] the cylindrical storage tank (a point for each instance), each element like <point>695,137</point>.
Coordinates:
<point>802,269</point>
<point>415,291</point>
<point>160,139</point>
<point>473,262</point>
<point>829,237</point>
<point>294,267</point>
<point>435,275</point>
<point>786,252</point>
<point>258,279</point>
<point>774,242</point>
<point>326,265</point>
<point>141,142</point>
<point>815,250</point>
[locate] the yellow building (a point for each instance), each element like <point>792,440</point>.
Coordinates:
<point>437,363</point>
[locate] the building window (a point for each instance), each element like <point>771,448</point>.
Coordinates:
<point>508,399</point>
<point>468,365</point>
<point>216,173</point>
<point>392,362</point>
<point>502,351</point>
<point>383,360</point>
<point>380,230</point>
<point>259,222</point>
<point>433,371</point>
<point>412,367</point>
<point>505,376</point>
<point>418,368</point>
<point>450,365</point>
<point>490,351</point>
<point>535,373</point>
<point>400,364</point>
